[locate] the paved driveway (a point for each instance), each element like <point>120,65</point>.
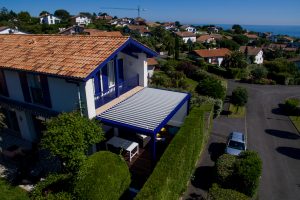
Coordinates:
<point>270,133</point>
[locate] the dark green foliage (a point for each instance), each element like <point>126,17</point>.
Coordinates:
<point>241,39</point>
<point>291,106</point>
<point>55,186</point>
<point>225,168</point>
<point>238,29</point>
<point>259,73</point>
<point>103,176</point>
<point>239,96</point>
<point>237,73</point>
<point>69,136</point>
<point>211,87</point>
<point>217,193</point>
<point>248,170</point>
<point>2,121</point>
<point>235,60</point>
<point>8,192</point>
<point>229,44</point>
<point>175,167</point>
<point>62,14</point>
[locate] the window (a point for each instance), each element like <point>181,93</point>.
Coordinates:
<point>111,73</point>
<point>35,88</point>
<point>3,86</point>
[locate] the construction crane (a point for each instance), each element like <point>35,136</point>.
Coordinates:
<point>138,9</point>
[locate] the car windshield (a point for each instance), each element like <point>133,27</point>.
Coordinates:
<point>236,145</point>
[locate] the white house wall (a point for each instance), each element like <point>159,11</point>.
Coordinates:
<point>178,119</point>
<point>13,85</point>
<point>88,95</point>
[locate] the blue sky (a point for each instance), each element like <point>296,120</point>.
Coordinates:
<point>256,12</point>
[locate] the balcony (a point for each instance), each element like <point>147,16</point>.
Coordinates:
<point>116,90</point>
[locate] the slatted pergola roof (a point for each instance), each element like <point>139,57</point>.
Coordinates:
<point>146,111</point>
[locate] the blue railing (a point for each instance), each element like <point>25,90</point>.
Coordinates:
<point>116,90</point>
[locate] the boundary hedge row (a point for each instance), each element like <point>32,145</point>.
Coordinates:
<point>172,173</point>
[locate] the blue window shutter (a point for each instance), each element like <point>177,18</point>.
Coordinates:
<point>121,72</point>
<point>46,92</point>
<point>97,83</point>
<point>24,85</point>
<point>105,78</point>
<point>3,85</point>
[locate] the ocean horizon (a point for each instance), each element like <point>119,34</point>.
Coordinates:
<point>291,30</point>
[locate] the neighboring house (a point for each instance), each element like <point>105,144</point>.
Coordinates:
<point>213,29</point>
<point>105,17</point>
<point>73,30</point>
<point>152,64</point>
<point>212,56</point>
<point>251,37</point>
<point>296,61</point>
<point>254,54</point>
<point>169,26</point>
<point>188,28</point>
<point>7,30</point>
<point>96,32</point>
<point>186,36</point>
<point>102,77</point>
<point>142,30</point>
<point>285,39</point>
<point>139,21</point>
<point>152,24</point>
<point>80,20</point>
<point>207,39</point>
<point>49,19</point>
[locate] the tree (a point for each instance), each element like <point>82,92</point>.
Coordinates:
<point>62,14</point>
<point>237,28</point>
<point>239,96</point>
<point>241,39</point>
<point>44,12</point>
<point>104,176</point>
<point>259,72</point>
<point>176,48</point>
<point>235,60</point>
<point>2,121</point>
<point>177,24</point>
<point>211,87</point>
<point>24,17</point>
<point>69,136</point>
<point>230,44</point>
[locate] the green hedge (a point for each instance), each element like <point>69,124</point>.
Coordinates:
<point>217,193</point>
<point>173,171</point>
<point>104,175</point>
<point>225,168</point>
<point>8,192</point>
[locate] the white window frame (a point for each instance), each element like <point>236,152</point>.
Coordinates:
<point>111,74</point>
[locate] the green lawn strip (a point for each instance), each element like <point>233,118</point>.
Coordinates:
<point>296,121</point>
<point>192,84</point>
<point>236,112</point>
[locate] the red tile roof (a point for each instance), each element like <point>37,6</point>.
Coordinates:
<point>186,34</point>
<point>152,61</point>
<point>210,53</point>
<point>252,51</point>
<point>60,55</point>
<point>204,38</point>
<point>251,36</point>
<point>96,32</point>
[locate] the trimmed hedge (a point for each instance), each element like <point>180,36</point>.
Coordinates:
<point>104,175</point>
<point>225,168</point>
<point>217,193</point>
<point>173,171</point>
<point>8,192</point>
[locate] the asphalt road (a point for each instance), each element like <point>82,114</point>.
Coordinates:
<point>269,132</point>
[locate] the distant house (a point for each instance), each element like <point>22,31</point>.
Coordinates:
<point>142,30</point>
<point>212,56</point>
<point>169,26</point>
<point>207,39</point>
<point>49,19</point>
<point>152,64</point>
<point>7,30</point>
<point>286,39</point>
<point>105,17</point>
<point>152,24</point>
<point>213,29</point>
<point>188,28</point>
<point>139,21</point>
<point>186,36</point>
<point>80,20</point>
<point>96,32</point>
<point>251,37</point>
<point>73,30</point>
<point>254,54</point>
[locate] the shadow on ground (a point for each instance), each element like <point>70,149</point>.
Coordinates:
<point>216,150</point>
<point>290,152</point>
<point>282,134</point>
<point>203,177</point>
<point>195,196</point>
<point>279,110</point>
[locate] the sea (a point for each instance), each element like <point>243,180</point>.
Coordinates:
<point>293,31</point>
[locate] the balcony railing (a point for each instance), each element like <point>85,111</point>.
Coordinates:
<point>116,90</point>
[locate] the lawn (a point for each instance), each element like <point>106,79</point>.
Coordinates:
<point>236,112</point>
<point>192,84</point>
<point>296,122</point>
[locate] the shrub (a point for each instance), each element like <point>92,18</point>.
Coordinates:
<point>104,175</point>
<point>171,174</point>
<point>248,170</point>
<point>211,87</point>
<point>8,192</point>
<point>161,79</point>
<point>239,96</point>
<point>259,73</point>
<point>55,186</point>
<point>225,169</point>
<point>197,101</point>
<point>291,106</point>
<point>237,73</point>
<point>218,107</point>
<point>217,193</point>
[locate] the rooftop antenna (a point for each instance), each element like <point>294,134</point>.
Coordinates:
<point>138,9</point>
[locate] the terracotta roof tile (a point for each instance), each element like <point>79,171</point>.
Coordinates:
<point>72,56</point>
<point>96,32</point>
<point>185,34</point>
<point>209,53</point>
<point>252,51</point>
<point>152,61</point>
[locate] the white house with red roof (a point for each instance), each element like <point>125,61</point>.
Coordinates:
<point>212,56</point>
<point>254,54</point>
<point>187,36</point>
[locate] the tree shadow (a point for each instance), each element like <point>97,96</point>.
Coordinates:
<point>195,196</point>
<point>216,150</point>
<point>203,177</point>
<point>279,110</point>
<point>290,152</point>
<point>282,134</point>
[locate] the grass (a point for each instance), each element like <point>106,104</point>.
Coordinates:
<point>296,121</point>
<point>192,84</point>
<point>236,112</point>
